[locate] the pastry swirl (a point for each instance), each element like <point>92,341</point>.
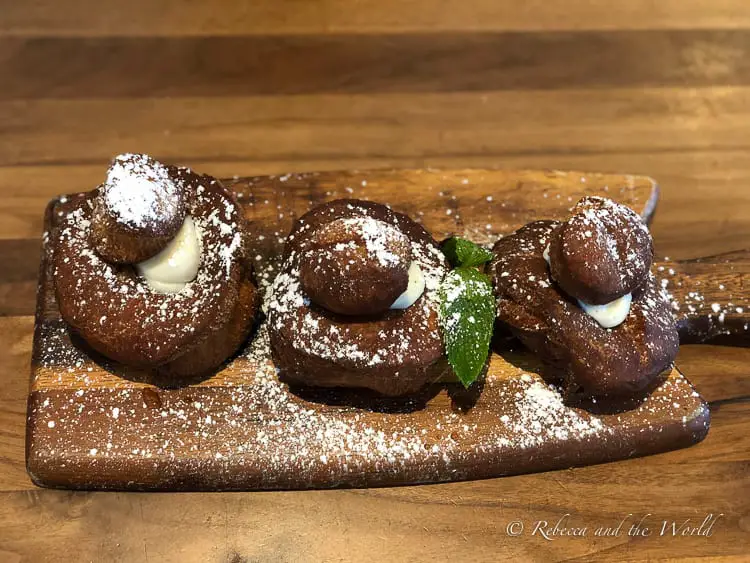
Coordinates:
<point>114,309</point>
<point>599,361</point>
<point>393,352</point>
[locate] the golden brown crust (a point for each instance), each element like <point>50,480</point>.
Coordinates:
<point>394,353</point>
<point>619,361</point>
<point>602,252</point>
<point>137,210</point>
<point>223,342</point>
<point>117,313</point>
<point>116,243</point>
<point>353,267</point>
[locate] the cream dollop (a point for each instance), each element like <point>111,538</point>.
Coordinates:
<point>610,314</point>
<point>414,289</point>
<point>176,265</point>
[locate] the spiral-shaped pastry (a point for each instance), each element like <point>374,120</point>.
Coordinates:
<point>581,296</point>
<point>151,268</point>
<point>355,302</point>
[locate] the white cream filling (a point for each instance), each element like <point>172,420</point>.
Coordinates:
<point>414,289</point>
<point>608,315</point>
<point>176,265</point>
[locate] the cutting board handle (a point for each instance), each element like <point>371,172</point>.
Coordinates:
<point>710,297</point>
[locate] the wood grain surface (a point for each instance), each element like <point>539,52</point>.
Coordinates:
<point>657,88</point>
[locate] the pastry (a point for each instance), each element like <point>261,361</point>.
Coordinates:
<point>144,293</point>
<point>616,348</point>
<point>355,302</point>
<point>138,210</point>
<point>338,273</point>
<point>602,252</point>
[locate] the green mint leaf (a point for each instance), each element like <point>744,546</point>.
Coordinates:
<point>467,315</point>
<point>462,252</point>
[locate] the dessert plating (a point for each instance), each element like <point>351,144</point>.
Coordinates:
<point>245,429</point>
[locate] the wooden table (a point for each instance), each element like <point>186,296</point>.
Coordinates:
<point>659,88</point>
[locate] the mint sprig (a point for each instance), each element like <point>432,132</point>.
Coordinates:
<point>467,310</point>
<point>462,252</point>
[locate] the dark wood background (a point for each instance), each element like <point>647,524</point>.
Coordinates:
<point>228,87</point>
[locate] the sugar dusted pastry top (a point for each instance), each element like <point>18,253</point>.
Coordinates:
<point>602,252</point>
<point>117,310</point>
<point>141,194</point>
<point>138,209</point>
<point>390,351</point>
<point>533,303</point>
<point>355,266</point>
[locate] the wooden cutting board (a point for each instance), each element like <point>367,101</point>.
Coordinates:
<point>92,428</point>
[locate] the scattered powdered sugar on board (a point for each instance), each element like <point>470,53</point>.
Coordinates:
<point>244,428</point>
<point>706,308</point>
<point>541,416</point>
<point>253,431</point>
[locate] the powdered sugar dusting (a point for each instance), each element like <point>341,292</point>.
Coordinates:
<point>377,236</point>
<point>341,341</point>
<point>112,300</point>
<point>705,309</point>
<point>139,191</point>
<point>552,324</point>
<point>253,431</point>
<point>243,428</point>
<point>289,307</point>
<point>615,229</point>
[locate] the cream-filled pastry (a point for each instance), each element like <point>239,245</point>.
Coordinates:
<point>176,265</point>
<point>414,289</point>
<point>610,314</point>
